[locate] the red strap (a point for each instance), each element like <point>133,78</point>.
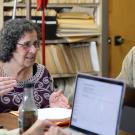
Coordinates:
<point>43,37</point>
<point>41,5</point>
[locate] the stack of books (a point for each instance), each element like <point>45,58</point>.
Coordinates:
<point>72,24</point>
<point>70,59</point>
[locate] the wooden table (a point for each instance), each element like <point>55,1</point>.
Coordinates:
<point>10,121</point>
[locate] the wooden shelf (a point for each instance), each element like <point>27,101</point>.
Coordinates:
<point>57,5</point>
<point>63,75</point>
<point>65,41</point>
<point>60,5</point>
<point>56,41</point>
<point>71,75</point>
<point>10,5</point>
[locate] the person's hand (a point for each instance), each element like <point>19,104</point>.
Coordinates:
<point>6,85</point>
<point>57,99</point>
<point>56,131</point>
<point>38,128</point>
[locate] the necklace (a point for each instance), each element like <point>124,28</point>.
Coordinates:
<point>22,77</point>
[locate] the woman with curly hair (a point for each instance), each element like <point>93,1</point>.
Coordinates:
<point>19,43</point>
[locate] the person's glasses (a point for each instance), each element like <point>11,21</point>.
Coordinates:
<point>28,44</point>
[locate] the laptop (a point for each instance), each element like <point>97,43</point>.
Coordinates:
<point>97,106</point>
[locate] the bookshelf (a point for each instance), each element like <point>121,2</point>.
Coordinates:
<point>64,43</point>
<point>90,36</point>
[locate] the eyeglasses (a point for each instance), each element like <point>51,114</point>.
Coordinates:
<point>28,44</point>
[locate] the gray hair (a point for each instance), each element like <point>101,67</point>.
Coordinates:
<point>10,34</point>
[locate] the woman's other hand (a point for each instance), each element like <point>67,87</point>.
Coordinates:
<point>56,131</point>
<point>57,99</point>
<point>6,85</point>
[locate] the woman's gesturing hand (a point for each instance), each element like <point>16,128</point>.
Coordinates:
<point>6,84</point>
<point>57,99</point>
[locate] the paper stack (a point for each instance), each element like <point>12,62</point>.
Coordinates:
<point>76,24</point>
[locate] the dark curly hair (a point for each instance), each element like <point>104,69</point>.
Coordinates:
<point>10,34</point>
